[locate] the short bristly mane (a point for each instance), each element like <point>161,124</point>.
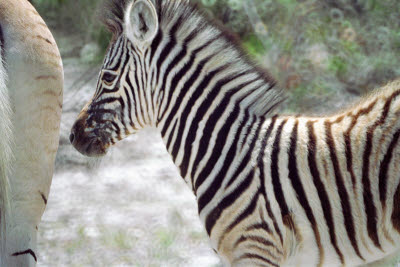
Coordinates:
<point>192,20</point>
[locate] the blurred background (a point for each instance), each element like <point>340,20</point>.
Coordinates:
<point>131,208</point>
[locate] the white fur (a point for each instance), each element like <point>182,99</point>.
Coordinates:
<point>5,151</point>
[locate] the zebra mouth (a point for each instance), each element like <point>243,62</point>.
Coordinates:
<point>89,144</point>
<point>94,148</point>
<point>91,148</point>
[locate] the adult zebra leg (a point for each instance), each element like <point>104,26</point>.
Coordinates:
<point>35,82</point>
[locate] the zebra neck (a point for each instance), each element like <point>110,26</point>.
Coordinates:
<point>204,144</point>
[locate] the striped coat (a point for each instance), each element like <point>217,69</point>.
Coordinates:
<point>271,190</point>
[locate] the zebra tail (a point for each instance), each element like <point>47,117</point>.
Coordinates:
<point>6,154</point>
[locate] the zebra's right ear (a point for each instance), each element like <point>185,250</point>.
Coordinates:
<point>141,22</point>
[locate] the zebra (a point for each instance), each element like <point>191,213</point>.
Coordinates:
<point>271,189</point>
<point>31,88</point>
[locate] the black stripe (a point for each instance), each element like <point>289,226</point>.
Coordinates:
<point>178,58</point>
<point>369,205</point>
<point>29,251</point>
<point>137,90</point>
<point>189,105</point>
<point>132,95</point>
<point>370,208</point>
<point>396,210</point>
<point>185,89</point>
<point>142,63</point>
<point>43,197</point>
<point>200,113</point>
<point>260,226</point>
<point>117,129</point>
<point>257,239</point>
<point>322,194</point>
<point>247,158</point>
<point>298,188</point>
<point>223,134</point>
<point>207,132</point>
<point>101,111</point>
<point>168,47</point>
<point>120,48</point>
<point>260,162</point>
<point>247,134</point>
<point>171,135</point>
<point>276,183</point>
<point>155,44</point>
<point>2,50</point>
<point>217,182</point>
<point>344,197</point>
<point>347,140</point>
<point>384,168</point>
<point>129,100</point>
<point>247,211</point>
<point>258,257</point>
<point>227,201</point>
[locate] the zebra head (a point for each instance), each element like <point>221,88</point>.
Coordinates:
<point>123,99</point>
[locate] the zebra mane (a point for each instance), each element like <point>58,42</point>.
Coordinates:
<point>193,20</point>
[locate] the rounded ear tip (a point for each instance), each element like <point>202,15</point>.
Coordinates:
<point>141,21</point>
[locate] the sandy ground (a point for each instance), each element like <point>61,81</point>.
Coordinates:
<point>130,208</point>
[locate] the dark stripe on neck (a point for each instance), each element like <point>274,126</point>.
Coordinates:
<point>183,91</point>
<point>168,48</point>
<point>189,105</point>
<point>217,182</point>
<point>189,82</point>
<point>200,113</point>
<point>221,140</point>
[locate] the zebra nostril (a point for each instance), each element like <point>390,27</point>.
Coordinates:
<point>71,138</point>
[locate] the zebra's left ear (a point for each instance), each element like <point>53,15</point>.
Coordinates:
<point>141,22</point>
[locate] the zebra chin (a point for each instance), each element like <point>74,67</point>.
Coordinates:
<point>91,148</point>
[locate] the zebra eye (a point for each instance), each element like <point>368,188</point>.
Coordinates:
<point>108,77</point>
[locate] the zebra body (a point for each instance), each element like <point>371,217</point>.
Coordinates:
<point>271,190</point>
<point>34,89</point>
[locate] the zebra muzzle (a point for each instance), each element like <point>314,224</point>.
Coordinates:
<point>86,141</point>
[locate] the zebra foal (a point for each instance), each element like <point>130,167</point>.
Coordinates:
<point>272,190</point>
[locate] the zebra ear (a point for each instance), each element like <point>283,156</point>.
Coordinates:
<point>141,22</point>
